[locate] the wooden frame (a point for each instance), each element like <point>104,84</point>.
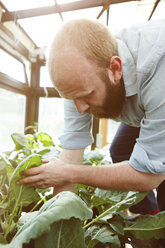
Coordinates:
<point>21,52</point>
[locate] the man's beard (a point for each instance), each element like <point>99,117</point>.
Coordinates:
<point>114,100</point>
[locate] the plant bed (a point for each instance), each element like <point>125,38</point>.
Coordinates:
<point>89,218</point>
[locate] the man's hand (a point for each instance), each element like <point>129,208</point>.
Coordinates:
<point>51,174</point>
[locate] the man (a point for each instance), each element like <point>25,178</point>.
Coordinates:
<point>120,78</point>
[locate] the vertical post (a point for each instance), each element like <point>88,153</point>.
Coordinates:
<point>32,100</point>
<point>104,131</point>
<point>95,130</point>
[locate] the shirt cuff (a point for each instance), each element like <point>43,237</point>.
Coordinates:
<point>140,161</point>
<point>76,140</point>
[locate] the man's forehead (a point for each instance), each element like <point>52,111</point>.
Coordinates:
<point>74,67</point>
<point>74,61</point>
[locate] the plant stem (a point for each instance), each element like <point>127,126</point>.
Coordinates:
<point>106,212</point>
<point>37,204</point>
<point>1,203</point>
<point>13,212</point>
<point>20,210</point>
<point>3,182</point>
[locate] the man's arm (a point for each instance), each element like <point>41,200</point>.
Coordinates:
<point>71,157</point>
<point>120,176</point>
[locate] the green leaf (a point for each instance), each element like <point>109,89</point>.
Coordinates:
<point>117,224</point>
<point>94,156</point>
<point>31,141</point>
<point>22,193</point>
<point>63,206</point>
<point>119,200</point>
<point>2,166</point>
<point>85,196</point>
<point>103,235</point>
<point>45,139</point>
<point>64,233</point>
<point>14,154</point>
<point>13,163</point>
<point>2,240</point>
<point>43,151</point>
<point>123,199</point>
<point>87,162</point>
<point>20,140</point>
<point>29,162</point>
<point>148,226</point>
<point>8,166</point>
<point>92,243</point>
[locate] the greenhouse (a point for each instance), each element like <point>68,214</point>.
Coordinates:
<point>82,124</point>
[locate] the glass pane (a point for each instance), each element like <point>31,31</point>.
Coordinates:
<point>12,117</point>
<point>42,28</point>
<point>51,117</point>
<point>15,70</point>
<point>44,77</point>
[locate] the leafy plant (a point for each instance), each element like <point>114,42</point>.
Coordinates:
<point>52,216</point>
<point>14,198</point>
<point>91,218</point>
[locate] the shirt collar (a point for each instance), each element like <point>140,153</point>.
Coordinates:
<point>129,69</point>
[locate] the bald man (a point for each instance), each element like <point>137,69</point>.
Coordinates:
<point>121,78</point>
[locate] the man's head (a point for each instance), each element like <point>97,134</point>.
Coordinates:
<point>84,67</point>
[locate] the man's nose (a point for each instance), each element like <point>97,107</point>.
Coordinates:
<point>81,105</point>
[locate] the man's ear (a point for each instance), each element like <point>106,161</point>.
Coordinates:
<point>115,69</point>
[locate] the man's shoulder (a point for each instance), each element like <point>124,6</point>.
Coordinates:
<point>145,41</point>
<point>142,27</point>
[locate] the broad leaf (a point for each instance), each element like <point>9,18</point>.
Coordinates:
<point>64,233</point>
<point>120,199</point>
<point>148,226</point>
<point>31,141</point>
<point>20,140</point>
<point>117,224</point>
<point>102,234</point>
<point>43,151</point>
<point>21,193</point>
<point>45,139</point>
<point>8,166</point>
<point>63,206</point>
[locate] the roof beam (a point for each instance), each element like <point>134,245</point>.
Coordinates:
<point>105,7</point>
<point>15,46</point>
<point>3,6</point>
<point>8,83</point>
<point>154,8</point>
<point>18,44</point>
<point>81,4</point>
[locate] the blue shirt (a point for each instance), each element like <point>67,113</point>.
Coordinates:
<point>142,51</point>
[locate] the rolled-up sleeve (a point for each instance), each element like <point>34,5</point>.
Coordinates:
<point>149,151</point>
<point>77,128</point>
<point>145,162</point>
